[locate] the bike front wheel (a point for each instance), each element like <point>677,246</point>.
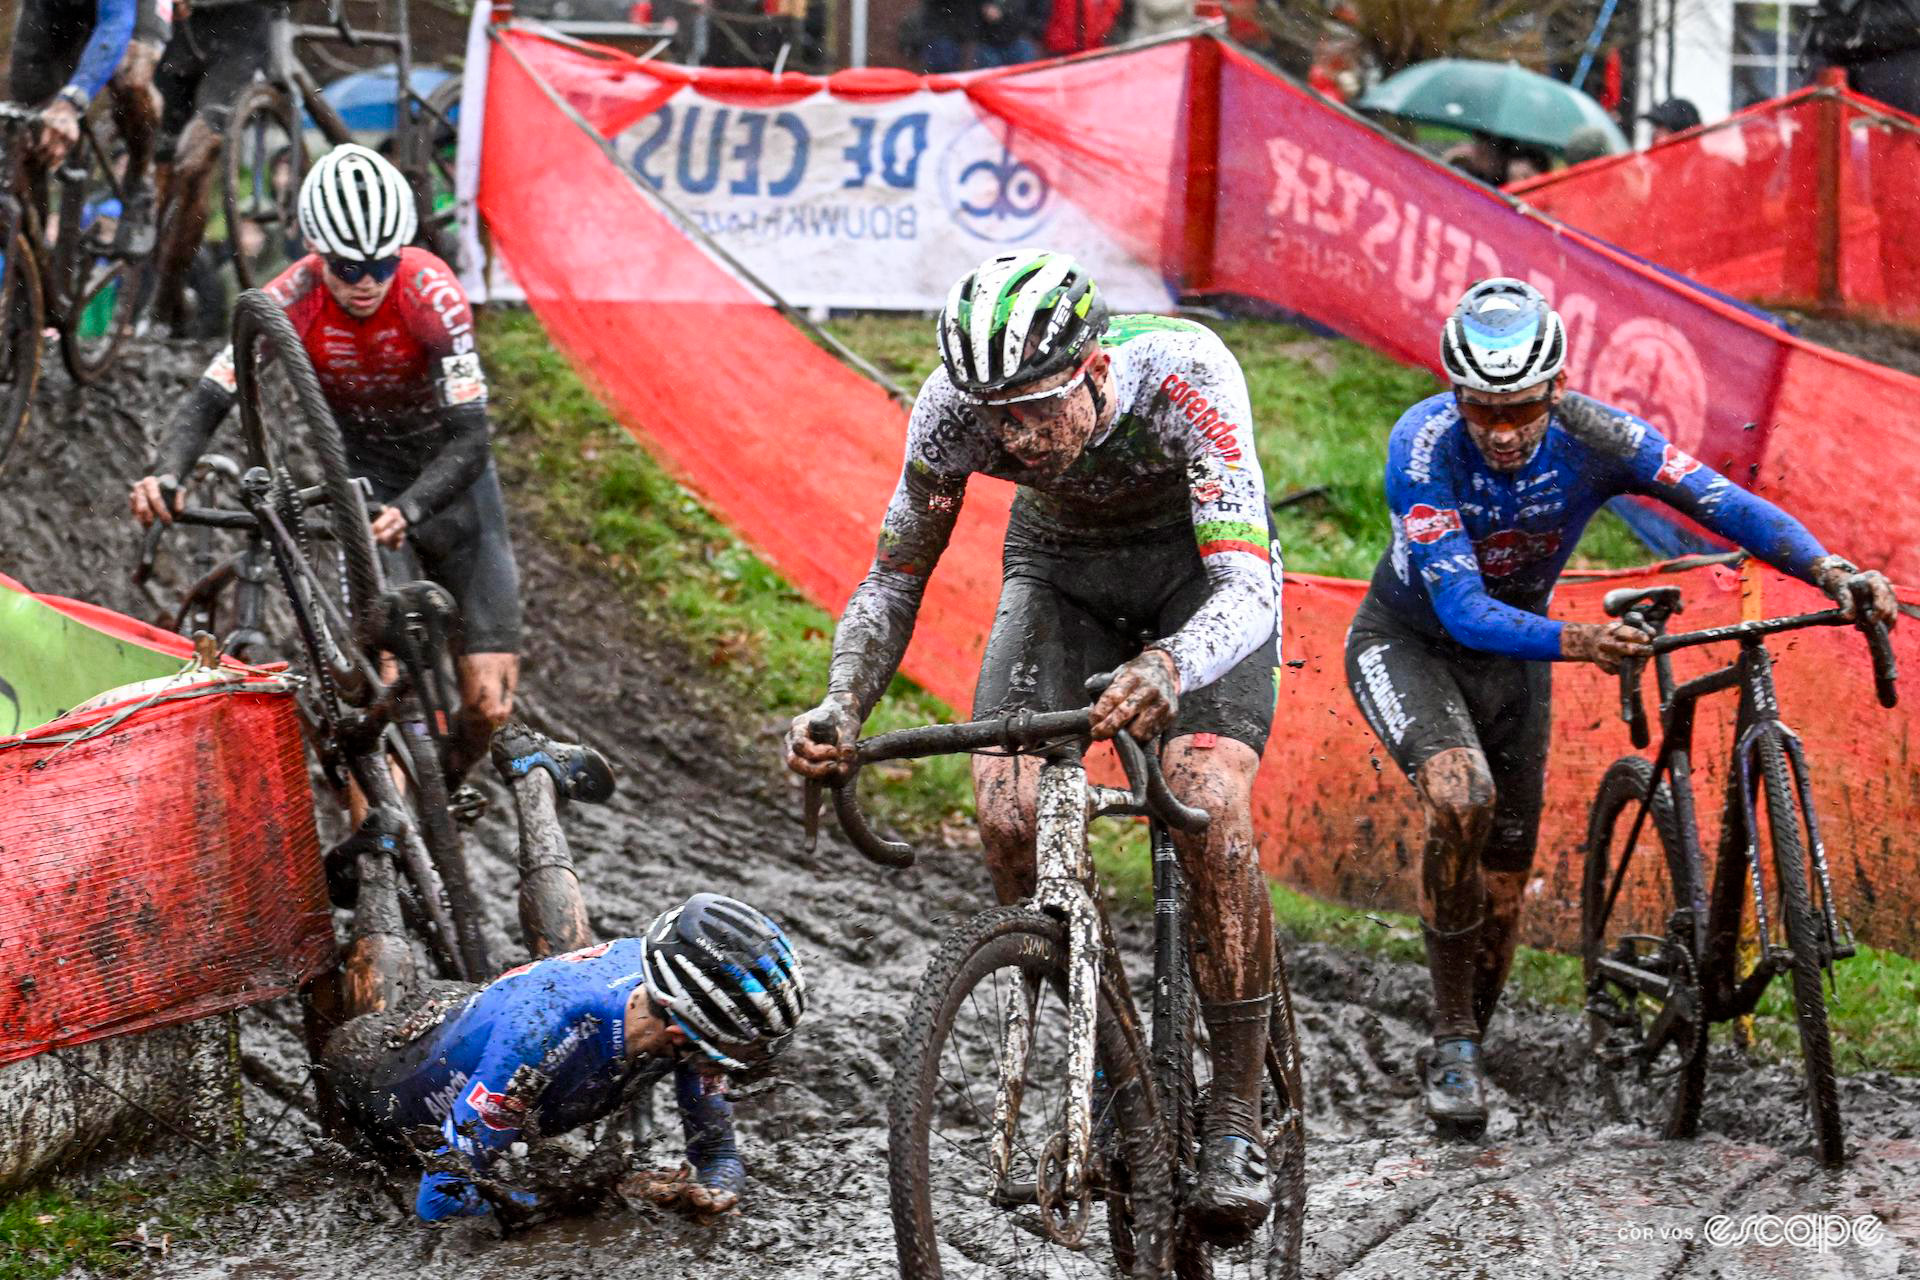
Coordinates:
<point>23,311</point>
<point>263,160</point>
<point>1807,939</point>
<point>1651,1048</point>
<point>952,1215</point>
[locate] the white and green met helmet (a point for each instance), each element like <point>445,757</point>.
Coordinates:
<point>1017,318</point>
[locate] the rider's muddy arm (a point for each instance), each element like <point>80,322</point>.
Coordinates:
<point>706,1118</point>
<point>878,620</point>
<point>460,461</point>
<point>1659,469</point>
<point>194,422</point>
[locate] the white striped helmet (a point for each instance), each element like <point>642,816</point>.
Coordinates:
<point>1005,303</point>
<point>727,976</point>
<point>355,205</point>
<point>1503,336</point>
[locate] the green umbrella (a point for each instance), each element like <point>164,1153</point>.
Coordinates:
<point>1500,98</point>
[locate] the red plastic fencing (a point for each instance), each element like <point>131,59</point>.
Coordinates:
<point>160,869</point>
<point>1808,200</point>
<point>799,454</point>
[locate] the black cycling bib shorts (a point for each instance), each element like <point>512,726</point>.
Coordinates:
<point>1423,694</point>
<point>466,549</point>
<point>212,58</point>
<point>1072,608</point>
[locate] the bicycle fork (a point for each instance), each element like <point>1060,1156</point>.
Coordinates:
<point>1065,868</point>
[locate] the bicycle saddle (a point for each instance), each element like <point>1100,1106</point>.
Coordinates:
<point>1648,600</point>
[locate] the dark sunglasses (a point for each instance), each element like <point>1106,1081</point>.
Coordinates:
<point>1518,413</point>
<point>381,269</point>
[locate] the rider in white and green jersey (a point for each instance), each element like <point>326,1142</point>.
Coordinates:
<point>1141,518</point>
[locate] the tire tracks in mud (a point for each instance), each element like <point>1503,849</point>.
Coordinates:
<point>1560,1188</point>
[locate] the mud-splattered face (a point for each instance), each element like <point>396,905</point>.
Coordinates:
<point>1508,426</point>
<point>361,297</point>
<point>1047,432</point>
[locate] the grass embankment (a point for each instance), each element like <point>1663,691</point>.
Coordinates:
<point>107,1229</point>
<point>1323,409</point>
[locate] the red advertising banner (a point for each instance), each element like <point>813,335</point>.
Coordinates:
<point>158,861</point>
<point>799,454</point>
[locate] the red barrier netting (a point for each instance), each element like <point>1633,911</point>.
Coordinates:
<point>1739,205</point>
<point>159,870</point>
<point>799,454</point>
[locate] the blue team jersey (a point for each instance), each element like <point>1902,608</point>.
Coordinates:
<point>1476,552</point>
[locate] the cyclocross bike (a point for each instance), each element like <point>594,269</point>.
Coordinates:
<point>365,717</point>
<point>1661,946</point>
<point>75,284</point>
<point>1026,1093</point>
<point>265,152</point>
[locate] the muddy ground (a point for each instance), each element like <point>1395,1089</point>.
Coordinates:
<point>1557,1189</point>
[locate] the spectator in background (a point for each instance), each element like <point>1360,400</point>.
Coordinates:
<point>1078,25</point>
<point>1877,42</point>
<point>1675,115</point>
<point>1588,142</point>
<point>1497,161</point>
<point>1158,17</point>
<point>961,35</point>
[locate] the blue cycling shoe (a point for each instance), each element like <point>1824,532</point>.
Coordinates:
<point>1456,1088</point>
<point>579,772</point>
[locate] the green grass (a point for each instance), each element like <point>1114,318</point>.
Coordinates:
<point>56,1231</point>
<point>1323,409</point>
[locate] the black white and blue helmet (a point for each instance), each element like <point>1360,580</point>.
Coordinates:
<point>726,975</point>
<point>1503,336</point>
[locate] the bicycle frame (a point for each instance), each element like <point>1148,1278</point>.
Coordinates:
<point>61,263</point>
<point>1064,869</point>
<point>1712,920</point>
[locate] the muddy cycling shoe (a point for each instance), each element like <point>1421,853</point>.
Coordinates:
<point>1232,1195</point>
<point>134,236</point>
<point>579,772</point>
<point>381,830</point>
<point>1456,1088</point>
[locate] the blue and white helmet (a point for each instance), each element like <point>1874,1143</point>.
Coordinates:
<point>727,976</point>
<point>1502,337</point>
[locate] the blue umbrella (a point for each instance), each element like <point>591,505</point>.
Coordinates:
<point>365,99</point>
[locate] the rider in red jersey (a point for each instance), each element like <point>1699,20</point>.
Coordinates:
<point>390,336</point>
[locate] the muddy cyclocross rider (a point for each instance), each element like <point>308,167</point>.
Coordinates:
<point>391,337</point>
<point>1489,485</point>
<point>1141,513</point>
<point>456,1073</point>
<point>64,53</point>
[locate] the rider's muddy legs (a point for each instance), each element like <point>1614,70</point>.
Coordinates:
<point>553,916</point>
<point>1456,795</point>
<point>379,968</point>
<point>185,185</point>
<point>487,685</point>
<point>1229,920</point>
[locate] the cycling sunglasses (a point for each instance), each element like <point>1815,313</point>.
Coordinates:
<point>1517,413</point>
<point>1034,397</point>
<point>381,269</point>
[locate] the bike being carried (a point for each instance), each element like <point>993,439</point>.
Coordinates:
<point>390,336</point>
<point>1489,486</point>
<point>1141,509</point>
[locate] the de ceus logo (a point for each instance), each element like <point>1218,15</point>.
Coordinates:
<point>989,191</point>
<point>701,149</point>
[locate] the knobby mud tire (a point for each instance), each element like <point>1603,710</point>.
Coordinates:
<point>1618,799</point>
<point>259,106</point>
<point>437,827</point>
<point>257,320</point>
<point>23,311</point>
<point>1019,937</point>
<point>1806,935</point>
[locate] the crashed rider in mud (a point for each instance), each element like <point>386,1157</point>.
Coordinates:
<point>1489,486</point>
<point>391,337</point>
<point>1141,516</point>
<point>457,1073</point>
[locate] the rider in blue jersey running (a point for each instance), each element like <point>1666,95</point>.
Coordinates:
<point>457,1073</point>
<point>1489,486</point>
